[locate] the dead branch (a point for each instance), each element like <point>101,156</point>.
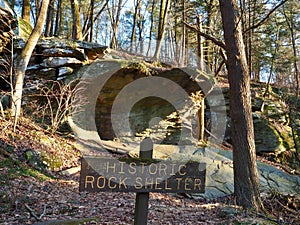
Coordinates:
<point>33,213</point>
<point>286,207</point>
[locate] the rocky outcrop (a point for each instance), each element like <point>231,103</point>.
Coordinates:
<point>55,58</point>
<point>154,113</point>
<point>272,122</point>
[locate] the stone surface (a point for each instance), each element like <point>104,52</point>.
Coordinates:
<point>219,174</point>
<point>60,52</point>
<point>267,138</point>
<point>64,71</point>
<point>54,62</point>
<point>150,114</point>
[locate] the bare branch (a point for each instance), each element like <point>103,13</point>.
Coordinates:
<point>266,17</point>
<point>33,213</point>
<point>214,40</point>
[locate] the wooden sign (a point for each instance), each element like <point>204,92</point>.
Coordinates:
<point>139,175</point>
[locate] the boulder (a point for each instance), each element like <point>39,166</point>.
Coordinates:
<point>267,138</point>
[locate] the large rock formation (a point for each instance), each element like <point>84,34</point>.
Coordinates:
<point>155,112</point>
<point>55,58</point>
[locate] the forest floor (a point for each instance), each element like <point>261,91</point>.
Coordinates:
<point>30,194</point>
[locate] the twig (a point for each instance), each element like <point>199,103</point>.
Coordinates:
<point>265,217</point>
<point>33,213</point>
<point>286,208</point>
<point>2,109</point>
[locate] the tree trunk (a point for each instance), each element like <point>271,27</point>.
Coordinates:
<point>92,20</point>
<point>26,11</point>
<point>23,60</point>
<point>164,9</point>
<point>151,27</point>
<point>199,45</point>
<point>49,19</point>
<point>141,26</point>
<point>135,18</point>
<point>208,50</point>
<point>244,156</point>
<point>76,31</point>
<point>291,26</point>
<point>183,36</point>
<point>58,18</point>
<point>115,13</point>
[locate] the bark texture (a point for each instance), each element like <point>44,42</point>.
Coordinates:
<point>244,156</point>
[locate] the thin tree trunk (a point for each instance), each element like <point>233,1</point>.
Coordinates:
<point>296,70</point>
<point>244,155</point>
<point>49,19</point>
<point>164,10</point>
<point>141,26</point>
<point>58,18</point>
<point>115,20</point>
<point>199,45</point>
<point>183,36</point>
<point>151,27</point>
<point>271,70</point>
<point>92,21</point>
<point>87,25</point>
<point>135,18</point>
<point>208,46</point>
<point>77,29</point>
<point>26,11</point>
<point>23,60</point>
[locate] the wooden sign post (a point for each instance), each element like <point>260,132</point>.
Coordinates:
<point>142,175</point>
<point>142,198</point>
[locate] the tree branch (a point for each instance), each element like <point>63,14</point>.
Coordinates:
<point>214,40</point>
<point>33,213</point>
<point>266,17</point>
